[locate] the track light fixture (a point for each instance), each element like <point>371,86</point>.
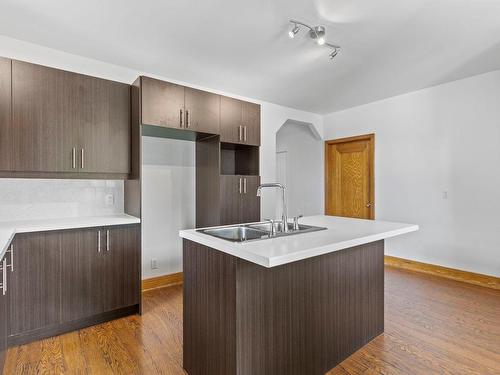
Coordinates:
<point>294,31</point>
<point>317,33</point>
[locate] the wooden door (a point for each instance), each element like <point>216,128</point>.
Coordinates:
<point>230,120</point>
<point>162,103</point>
<point>231,188</point>
<point>202,111</point>
<point>46,118</point>
<point>35,285</point>
<point>349,177</point>
<point>251,123</point>
<point>5,114</point>
<point>81,273</point>
<point>121,281</point>
<point>250,202</point>
<point>104,137</point>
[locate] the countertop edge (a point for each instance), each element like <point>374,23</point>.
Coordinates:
<point>86,222</point>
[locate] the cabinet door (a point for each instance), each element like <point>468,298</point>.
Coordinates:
<point>121,284</point>
<point>162,103</point>
<point>251,123</point>
<point>82,270</point>
<point>230,120</point>
<point>34,285</point>
<point>230,199</point>
<point>5,113</point>
<point>104,140</point>
<point>46,118</point>
<point>250,202</point>
<point>202,111</point>
<point>3,320</point>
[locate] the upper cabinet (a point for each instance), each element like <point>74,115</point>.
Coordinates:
<point>173,106</point>
<point>65,122</point>
<point>240,122</point>
<point>5,113</point>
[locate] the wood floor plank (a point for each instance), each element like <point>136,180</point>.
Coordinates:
<point>432,326</point>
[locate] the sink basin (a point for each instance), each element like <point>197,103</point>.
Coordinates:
<point>257,231</point>
<point>237,234</point>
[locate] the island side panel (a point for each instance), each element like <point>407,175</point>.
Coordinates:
<point>306,317</point>
<point>209,311</point>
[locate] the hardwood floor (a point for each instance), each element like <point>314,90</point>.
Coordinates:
<point>432,326</point>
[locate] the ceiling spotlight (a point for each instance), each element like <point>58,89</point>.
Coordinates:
<point>294,31</point>
<point>317,33</point>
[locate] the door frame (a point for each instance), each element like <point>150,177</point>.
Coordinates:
<point>366,137</point>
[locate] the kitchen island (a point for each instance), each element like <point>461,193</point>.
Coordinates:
<point>297,304</point>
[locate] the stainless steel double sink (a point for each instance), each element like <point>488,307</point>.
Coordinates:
<point>256,231</point>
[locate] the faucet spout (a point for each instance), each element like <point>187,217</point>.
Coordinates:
<point>284,216</point>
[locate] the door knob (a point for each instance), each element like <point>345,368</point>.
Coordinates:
<point>368,205</point>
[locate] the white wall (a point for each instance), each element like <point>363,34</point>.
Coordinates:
<point>33,199</point>
<point>440,141</point>
<point>304,169</point>
<point>272,116</point>
<point>168,202</point>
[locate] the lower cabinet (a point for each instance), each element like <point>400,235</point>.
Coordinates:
<point>5,270</point>
<point>65,280</point>
<point>239,201</point>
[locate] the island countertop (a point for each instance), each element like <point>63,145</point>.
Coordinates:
<point>341,233</point>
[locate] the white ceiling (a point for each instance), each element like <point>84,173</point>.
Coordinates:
<point>389,46</point>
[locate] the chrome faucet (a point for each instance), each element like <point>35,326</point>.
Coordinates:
<point>284,216</point>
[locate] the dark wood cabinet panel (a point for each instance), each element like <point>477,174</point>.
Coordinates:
<point>68,122</point>
<point>202,111</point>
<point>230,199</point>
<point>81,273</point>
<point>251,122</point>
<point>230,120</point>
<point>240,122</point>
<point>46,112</point>
<point>162,103</point>
<point>250,202</point>
<point>121,286</point>
<point>3,317</point>
<point>5,114</point>
<point>34,286</point>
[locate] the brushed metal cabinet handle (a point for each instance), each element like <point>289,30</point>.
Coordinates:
<point>107,240</point>
<point>245,185</point>
<point>4,276</point>
<point>239,188</point>
<point>11,251</point>
<point>187,118</point>
<point>98,241</point>
<point>73,158</point>
<point>82,158</point>
<point>245,133</point>
<point>180,118</point>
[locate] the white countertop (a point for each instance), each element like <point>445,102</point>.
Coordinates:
<point>341,233</point>
<point>9,229</point>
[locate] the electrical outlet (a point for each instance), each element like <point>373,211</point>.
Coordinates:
<point>109,199</point>
<point>154,264</point>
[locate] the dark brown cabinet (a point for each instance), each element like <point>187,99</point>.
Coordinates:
<point>173,106</point>
<point>64,280</point>
<point>35,287</point>
<point>238,199</point>
<point>4,314</point>
<point>240,122</point>
<point>5,114</point>
<point>65,122</point>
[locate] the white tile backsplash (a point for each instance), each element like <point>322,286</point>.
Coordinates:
<point>26,199</point>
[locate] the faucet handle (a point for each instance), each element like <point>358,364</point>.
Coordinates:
<point>296,222</point>
<point>273,228</point>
